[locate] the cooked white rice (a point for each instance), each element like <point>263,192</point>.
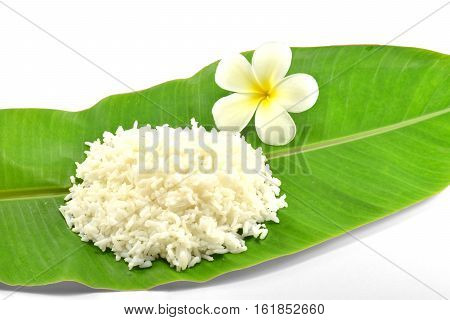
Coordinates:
<point>177,211</point>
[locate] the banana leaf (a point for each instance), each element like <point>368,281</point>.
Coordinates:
<point>377,141</point>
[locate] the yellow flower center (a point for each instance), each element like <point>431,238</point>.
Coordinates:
<point>265,97</point>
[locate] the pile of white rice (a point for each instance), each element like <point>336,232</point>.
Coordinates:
<point>176,210</point>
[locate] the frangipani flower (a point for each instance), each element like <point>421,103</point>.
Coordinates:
<point>263,87</point>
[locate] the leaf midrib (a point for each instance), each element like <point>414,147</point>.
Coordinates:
<point>354,137</point>
<point>20,194</point>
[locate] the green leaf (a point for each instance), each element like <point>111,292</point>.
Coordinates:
<point>379,141</point>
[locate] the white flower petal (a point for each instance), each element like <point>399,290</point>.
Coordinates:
<point>234,73</point>
<point>270,63</point>
<point>233,112</point>
<point>296,93</point>
<point>274,125</point>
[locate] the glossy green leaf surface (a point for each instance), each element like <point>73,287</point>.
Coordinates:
<point>378,140</point>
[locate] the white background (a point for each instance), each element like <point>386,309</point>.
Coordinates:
<point>141,44</point>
